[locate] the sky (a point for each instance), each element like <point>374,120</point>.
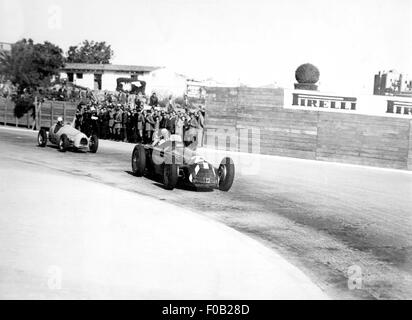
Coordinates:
<point>253,42</point>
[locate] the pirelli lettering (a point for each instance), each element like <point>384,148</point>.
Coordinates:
<point>322,101</point>
<point>399,107</point>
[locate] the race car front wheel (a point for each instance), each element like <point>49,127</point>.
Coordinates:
<point>138,160</point>
<point>42,138</point>
<point>63,143</point>
<point>170,176</point>
<point>93,143</point>
<point>226,174</point>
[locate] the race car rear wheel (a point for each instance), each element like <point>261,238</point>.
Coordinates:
<point>93,143</point>
<point>226,174</point>
<point>42,138</point>
<point>138,160</point>
<point>63,143</point>
<point>170,176</point>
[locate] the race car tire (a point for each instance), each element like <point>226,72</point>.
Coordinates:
<point>63,143</point>
<point>93,144</point>
<point>42,138</point>
<point>170,176</point>
<point>226,173</point>
<point>138,160</point>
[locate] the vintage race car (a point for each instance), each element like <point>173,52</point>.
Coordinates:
<point>173,161</point>
<point>67,137</point>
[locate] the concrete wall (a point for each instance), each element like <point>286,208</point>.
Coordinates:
<point>361,139</point>
<point>257,121</point>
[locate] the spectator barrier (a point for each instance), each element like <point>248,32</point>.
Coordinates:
<point>46,113</point>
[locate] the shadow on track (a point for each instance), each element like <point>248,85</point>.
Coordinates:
<point>157,181</point>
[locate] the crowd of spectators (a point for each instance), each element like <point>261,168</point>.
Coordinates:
<point>123,116</point>
<point>137,119</point>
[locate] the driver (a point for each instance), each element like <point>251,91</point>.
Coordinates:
<point>59,124</point>
<point>164,136</point>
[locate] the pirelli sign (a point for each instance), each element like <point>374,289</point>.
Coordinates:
<point>311,101</point>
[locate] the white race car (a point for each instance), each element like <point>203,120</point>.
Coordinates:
<point>67,137</point>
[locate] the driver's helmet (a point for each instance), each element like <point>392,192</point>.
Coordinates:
<point>60,121</point>
<point>164,133</point>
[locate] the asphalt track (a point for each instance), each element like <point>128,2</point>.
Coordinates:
<point>325,218</point>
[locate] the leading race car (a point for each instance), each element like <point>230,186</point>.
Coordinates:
<point>67,137</point>
<point>173,161</point>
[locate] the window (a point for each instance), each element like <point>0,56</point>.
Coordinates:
<point>97,82</point>
<point>79,75</point>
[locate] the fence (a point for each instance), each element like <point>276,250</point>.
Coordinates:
<point>257,121</point>
<point>46,113</point>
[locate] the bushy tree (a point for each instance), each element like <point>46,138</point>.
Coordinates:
<point>31,65</point>
<point>307,73</point>
<point>90,52</point>
<point>23,104</point>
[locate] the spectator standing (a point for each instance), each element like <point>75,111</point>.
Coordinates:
<point>131,101</point>
<point>112,115</point>
<point>104,123</point>
<point>123,98</point>
<point>78,117</point>
<point>140,124</point>
<point>94,122</point>
<point>171,123</point>
<point>163,120</point>
<point>118,120</point>
<point>170,105</point>
<point>149,127</point>
<point>86,123</point>
<point>179,126</point>
<point>200,130</point>
<point>126,125</point>
<point>190,134</point>
<point>154,101</point>
<point>156,128</point>
<point>186,104</point>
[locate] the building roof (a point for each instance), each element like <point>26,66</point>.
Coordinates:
<point>107,67</point>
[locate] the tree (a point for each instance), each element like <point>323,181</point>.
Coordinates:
<point>31,65</point>
<point>90,52</point>
<point>307,73</point>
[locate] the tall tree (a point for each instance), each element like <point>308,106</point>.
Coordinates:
<point>31,65</point>
<point>90,52</point>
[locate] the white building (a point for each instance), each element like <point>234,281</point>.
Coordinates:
<point>165,82</point>
<point>393,83</point>
<point>101,76</point>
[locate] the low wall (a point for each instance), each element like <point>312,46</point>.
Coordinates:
<point>46,113</point>
<point>256,120</point>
